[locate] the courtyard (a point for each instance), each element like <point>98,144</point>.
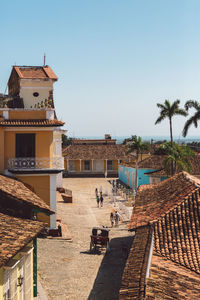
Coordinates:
<point>67,269</point>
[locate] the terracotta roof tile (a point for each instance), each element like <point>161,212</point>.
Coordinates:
<point>133,280</point>
<point>156,162</point>
<point>32,123</point>
<point>154,200</point>
<point>151,162</point>
<point>173,209</point>
<point>95,152</point>
<point>15,233</point>
<point>17,190</point>
<point>169,281</point>
<point>35,72</point>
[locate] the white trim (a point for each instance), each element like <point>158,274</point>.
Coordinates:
<point>6,114</point>
<point>49,114</point>
<point>26,109</point>
<point>150,257</point>
<point>26,250</point>
<point>11,264</point>
<point>53,178</point>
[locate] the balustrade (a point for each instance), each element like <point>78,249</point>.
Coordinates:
<point>34,163</point>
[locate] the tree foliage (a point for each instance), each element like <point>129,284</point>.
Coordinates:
<point>179,156</point>
<point>66,141</point>
<point>193,119</point>
<point>135,144</point>
<point>168,110</point>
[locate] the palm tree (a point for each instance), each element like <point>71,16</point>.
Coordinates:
<point>168,110</point>
<point>136,145</point>
<point>195,118</point>
<point>180,155</point>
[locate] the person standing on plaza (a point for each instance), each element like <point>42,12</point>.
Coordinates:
<point>96,192</point>
<point>116,218</point>
<point>111,219</point>
<point>101,189</point>
<point>97,200</point>
<point>101,199</point>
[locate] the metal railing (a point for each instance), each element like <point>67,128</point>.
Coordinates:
<point>35,163</point>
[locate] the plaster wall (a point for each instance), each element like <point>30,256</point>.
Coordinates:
<point>127,175</point>
<point>41,186</point>
<point>27,94</point>
<point>44,145</point>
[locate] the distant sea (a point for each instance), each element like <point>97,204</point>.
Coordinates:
<point>120,139</point>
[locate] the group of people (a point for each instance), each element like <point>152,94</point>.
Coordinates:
<point>99,197</point>
<point>114,217</point>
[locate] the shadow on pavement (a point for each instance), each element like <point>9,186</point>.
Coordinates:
<point>108,281</point>
<point>93,252</point>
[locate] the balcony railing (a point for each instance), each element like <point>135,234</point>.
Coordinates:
<point>35,163</point>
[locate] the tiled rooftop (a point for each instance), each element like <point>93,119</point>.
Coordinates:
<point>153,201</point>
<point>157,162</point>
<point>17,190</point>
<point>35,72</point>
<point>195,170</point>
<point>169,281</point>
<point>151,162</point>
<point>172,209</point>
<point>32,123</point>
<point>15,233</point>
<point>110,152</point>
<point>133,280</point>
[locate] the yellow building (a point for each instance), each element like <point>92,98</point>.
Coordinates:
<point>18,239</point>
<point>30,134</point>
<point>93,159</point>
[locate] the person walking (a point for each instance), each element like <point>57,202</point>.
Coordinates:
<point>111,219</point>
<point>101,189</point>
<point>116,218</point>
<point>101,200</point>
<point>97,200</point>
<point>96,192</point>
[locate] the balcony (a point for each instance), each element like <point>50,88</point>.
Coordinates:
<point>35,164</point>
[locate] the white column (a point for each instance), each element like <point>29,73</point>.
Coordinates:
<point>106,172</point>
<point>53,200</point>
<point>80,165</point>
<point>68,165</point>
<point>92,165</point>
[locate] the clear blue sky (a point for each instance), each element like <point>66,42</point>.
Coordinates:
<point>115,59</point>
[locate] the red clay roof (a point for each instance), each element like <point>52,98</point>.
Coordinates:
<point>134,276</point>
<point>177,233</point>
<point>17,190</point>
<point>195,164</point>
<point>110,152</point>
<point>169,281</point>
<point>151,162</point>
<point>15,233</point>
<point>35,72</point>
<point>172,209</point>
<point>31,123</point>
<point>153,201</point>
